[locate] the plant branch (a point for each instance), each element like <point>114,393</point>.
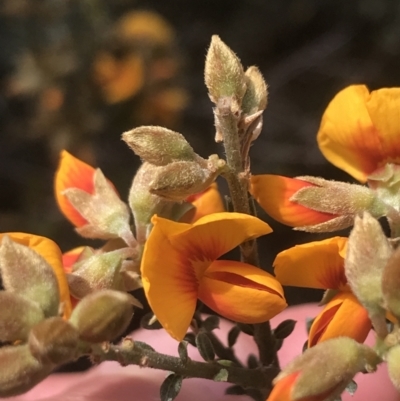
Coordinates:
<point>129,354</point>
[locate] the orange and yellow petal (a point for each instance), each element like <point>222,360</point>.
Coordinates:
<point>273,193</point>
<point>342,316</point>
<point>213,235</point>
<point>317,264</point>
<point>50,251</point>
<point>71,257</point>
<point>282,390</point>
<point>169,284</point>
<point>360,131</point>
<point>72,173</point>
<point>207,202</point>
<point>241,292</point>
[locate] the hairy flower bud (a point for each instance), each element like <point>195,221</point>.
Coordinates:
<point>256,96</point>
<point>27,273</point>
<point>54,341</point>
<point>159,146</point>
<point>393,363</point>
<point>391,284</point>
<point>224,76</point>
<point>368,251</point>
<point>103,315</point>
<point>19,370</point>
<point>97,272</point>
<point>107,216</point>
<point>323,372</point>
<point>179,180</point>
<point>17,316</point>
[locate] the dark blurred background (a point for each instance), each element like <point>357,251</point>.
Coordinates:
<point>75,74</point>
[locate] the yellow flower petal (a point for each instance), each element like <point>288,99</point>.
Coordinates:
<point>273,193</point>
<point>72,173</point>
<point>170,285</point>
<point>317,264</point>
<point>360,131</point>
<point>214,235</point>
<point>207,202</point>
<point>50,251</point>
<point>241,292</point>
<point>342,316</point>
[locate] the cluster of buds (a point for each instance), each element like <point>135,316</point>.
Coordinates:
<point>38,331</point>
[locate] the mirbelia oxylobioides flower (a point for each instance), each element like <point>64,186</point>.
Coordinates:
<point>170,235</point>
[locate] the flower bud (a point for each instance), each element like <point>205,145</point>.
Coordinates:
<point>54,341</point>
<point>179,180</point>
<point>27,273</point>
<point>107,216</point>
<point>102,315</point>
<point>17,316</point>
<point>97,272</point>
<point>256,95</point>
<point>323,372</point>
<point>391,284</point>
<point>158,145</point>
<point>368,251</point>
<point>224,76</point>
<point>393,363</point>
<point>19,370</point>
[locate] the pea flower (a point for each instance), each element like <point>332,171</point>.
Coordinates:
<point>359,133</point>
<point>321,265</point>
<point>323,372</point>
<point>90,201</point>
<point>180,265</point>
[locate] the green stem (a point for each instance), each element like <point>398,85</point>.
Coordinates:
<point>128,354</point>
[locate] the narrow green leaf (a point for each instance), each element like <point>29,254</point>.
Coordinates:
<point>205,347</point>
<point>182,351</point>
<point>284,329</point>
<point>233,336</point>
<point>211,323</point>
<point>171,387</point>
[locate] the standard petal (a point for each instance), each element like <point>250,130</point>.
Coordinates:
<point>241,292</point>
<point>342,316</point>
<point>72,173</point>
<point>360,131</point>
<point>50,251</point>
<point>273,193</point>
<point>317,264</point>
<point>207,202</point>
<point>169,281</point>
<point>215,234</point>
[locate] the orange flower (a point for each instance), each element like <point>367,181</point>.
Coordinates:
<point>360,130</point>
<point>274,194</point>
<point>72,173</point>
<point>321,265</point>
<point>206,202</point>
<point>179,266</point>
<point>50,251</point>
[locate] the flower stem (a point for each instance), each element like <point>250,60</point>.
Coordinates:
<point>128,354</point>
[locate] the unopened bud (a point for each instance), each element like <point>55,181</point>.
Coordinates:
<point>100,271</point>
<point>19,370</point>
<point>179,180</point>
<point>17,316</point>
<point>102,315</point>
<point>393,363</point>
<point>368,251</point>
<point>391,284</point>
<point>54,341</point>
<point>27,273</point>
<point>323,372</point>
<point>158,145</point>
<point>224,76</point>
<point>107,216</point>
<point>256,95</point>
